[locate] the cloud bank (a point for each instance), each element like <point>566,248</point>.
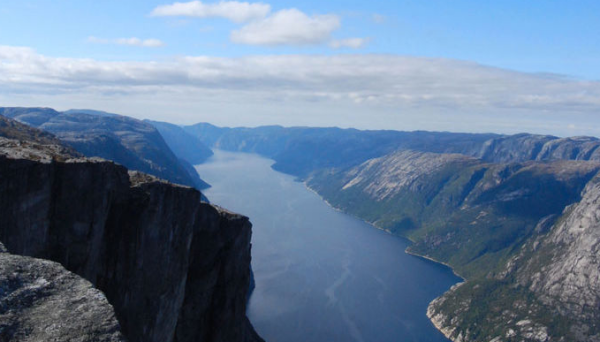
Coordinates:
<point>361,83</point>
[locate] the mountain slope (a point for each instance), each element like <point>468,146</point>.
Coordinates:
<point>548,291</point>
<point>130,142</point>
<point>456,209</point>
<point>183,144</point>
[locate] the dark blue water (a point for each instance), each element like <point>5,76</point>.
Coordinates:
<point>321,275</point>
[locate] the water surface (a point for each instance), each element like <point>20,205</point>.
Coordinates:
<point>321,275</point>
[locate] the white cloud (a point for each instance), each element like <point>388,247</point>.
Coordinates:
<point>287,27</point>
<point>327,89</point>
<point>352,43</point>
<point>133,41</point>
<point>235,11</point>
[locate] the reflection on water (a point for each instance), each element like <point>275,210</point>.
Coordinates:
<point>322,275</point>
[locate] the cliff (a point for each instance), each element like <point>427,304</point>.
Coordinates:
<point>173,268</point>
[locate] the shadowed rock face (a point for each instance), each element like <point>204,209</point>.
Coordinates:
<point>175,269</point>
<point>41,301</point>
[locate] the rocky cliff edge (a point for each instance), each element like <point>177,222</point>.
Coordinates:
<point>173,268</point>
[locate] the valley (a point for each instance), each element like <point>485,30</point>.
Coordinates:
<point>514,215</point>
<point>482,204</point>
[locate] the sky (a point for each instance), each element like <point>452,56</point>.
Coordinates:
<point>464,65</point>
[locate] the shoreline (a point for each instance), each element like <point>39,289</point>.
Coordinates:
<point>388,232</point>
<point>437,325</point>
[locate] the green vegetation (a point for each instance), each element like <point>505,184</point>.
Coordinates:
<point>471,217</point>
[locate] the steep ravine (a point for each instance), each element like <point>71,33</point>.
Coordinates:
<point>173,268</point>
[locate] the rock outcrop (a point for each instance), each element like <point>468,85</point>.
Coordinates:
<point>41,301</point>
<point>173,267</point>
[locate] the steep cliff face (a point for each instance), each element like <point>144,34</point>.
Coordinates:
<point>175,269</point>
<point>564,270</point>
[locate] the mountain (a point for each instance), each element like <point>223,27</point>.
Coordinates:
<point>456,209</point>
<point>172,267</point>
<point>522,147</point>
<point>130,142</point>
<point>301,150</point>
<point>516,216</point>
<point>548,291</point>
<point>184,145</point>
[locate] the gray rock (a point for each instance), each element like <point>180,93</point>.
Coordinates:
<point>41,301</point>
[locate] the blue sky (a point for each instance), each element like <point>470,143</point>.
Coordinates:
<point>503,66</point>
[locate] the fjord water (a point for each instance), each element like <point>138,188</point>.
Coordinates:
<point>321,275</point>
